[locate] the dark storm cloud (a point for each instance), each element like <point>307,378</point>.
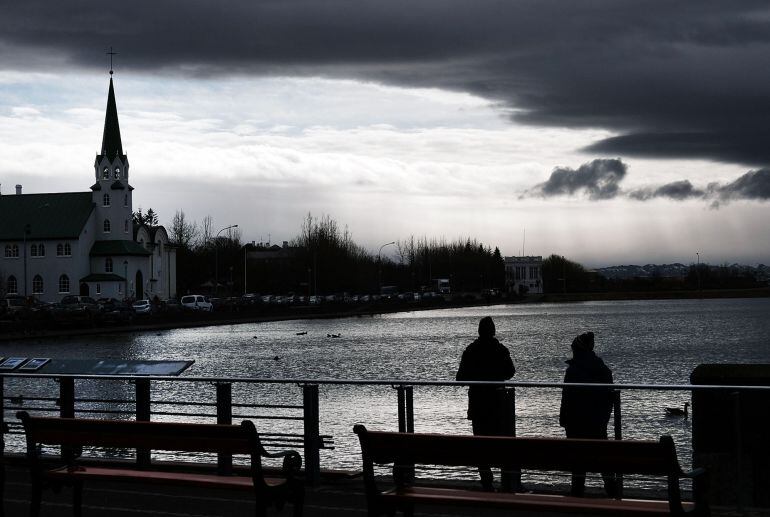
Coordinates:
<point>677,190</point>
<point>670,78</point>
<point>752,185</point>
<point>599,179</point>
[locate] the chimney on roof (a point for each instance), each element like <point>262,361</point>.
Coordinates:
<point>18,190</point>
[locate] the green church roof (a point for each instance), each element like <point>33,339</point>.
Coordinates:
<point>49,216</point>
<point>112,248</point>
<point>103,277</point>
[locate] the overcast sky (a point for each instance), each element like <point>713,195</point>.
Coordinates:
<point>611,131</point>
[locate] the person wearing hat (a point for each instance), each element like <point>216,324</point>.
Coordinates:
<point>585,412</point>
<point>486,359</point>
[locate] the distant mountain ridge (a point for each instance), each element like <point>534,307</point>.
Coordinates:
<point>676,270</point>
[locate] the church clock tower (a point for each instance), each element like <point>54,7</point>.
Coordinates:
<point>111,192</point>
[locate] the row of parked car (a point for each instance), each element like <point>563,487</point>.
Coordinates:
<point>75,308</point>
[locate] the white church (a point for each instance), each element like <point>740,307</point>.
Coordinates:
<point>84,243</point>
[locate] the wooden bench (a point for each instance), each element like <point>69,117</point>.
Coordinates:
<point>403,450</point>
<point>74,433</point>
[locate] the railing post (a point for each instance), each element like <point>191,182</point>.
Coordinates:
<point>312,433</point>
<point>740,489</point>
<point>405,425</point>
<point>409,391</point>
<point>2,407</point>
<point>224,416</point>
<point>405,408</point>
<point>142,415</point>
<point>67,409</point>
<point>67,397</point>
<point>617,423</point>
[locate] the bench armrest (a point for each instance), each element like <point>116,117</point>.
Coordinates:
<point>700,488</point>
<point>695,473</point>
<point>292,461</point>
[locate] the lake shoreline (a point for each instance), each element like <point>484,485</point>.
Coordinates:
<point>308,312</point>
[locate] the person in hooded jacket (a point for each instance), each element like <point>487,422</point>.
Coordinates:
<point>585,412</point>
<point>486,359</point>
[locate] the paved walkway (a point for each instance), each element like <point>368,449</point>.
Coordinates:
<point>337,496</point>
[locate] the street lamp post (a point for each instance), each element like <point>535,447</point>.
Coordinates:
<point>125,278</point>
<point>26,232</point>
<point>216,257</point>
<point>697,269</point>
<point>379,264</point>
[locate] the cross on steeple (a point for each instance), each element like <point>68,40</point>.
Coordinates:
<point>111,53</point>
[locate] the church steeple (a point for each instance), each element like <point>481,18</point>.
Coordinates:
<point>112,146</point>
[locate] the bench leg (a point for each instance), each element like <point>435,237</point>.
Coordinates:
<point>298,503</point>
<point>34,498</point>
<point>77,499</point>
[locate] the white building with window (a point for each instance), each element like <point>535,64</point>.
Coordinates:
<point>85,242</point>
<point>524,275</point>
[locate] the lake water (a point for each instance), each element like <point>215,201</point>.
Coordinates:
<point>653,342</point>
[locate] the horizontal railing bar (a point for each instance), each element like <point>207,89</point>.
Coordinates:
<point>36,399</point>
<point>182,403</point>
<point>105,411</point>
<point>268,406</point>
<point>33,408</point>
<point>393,382</point>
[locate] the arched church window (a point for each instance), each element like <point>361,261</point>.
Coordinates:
<point>67,249</point>
<point>107,226</point>
<point>106,200</point>
<point>33,250</point>
<point>64,284</point>
<point>125,225</point>
<point>125,200</point>
<point>7,251</point>
<point>11,286</point>
<point>15,250</point>
<point>106,173</point>
<point>59,250</point>
<point>117,173</point>
<point>41,250</point>
<point>37,285</point>
<point>108,265</point>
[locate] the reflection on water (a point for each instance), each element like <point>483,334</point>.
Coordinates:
<point>655,342</point>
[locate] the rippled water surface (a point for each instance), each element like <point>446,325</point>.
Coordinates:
<point>655,342</point>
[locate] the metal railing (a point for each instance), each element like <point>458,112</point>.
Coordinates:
<point>224,409</point>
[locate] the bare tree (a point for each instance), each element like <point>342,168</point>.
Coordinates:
<point>206,231</point>
<point>183,233</point>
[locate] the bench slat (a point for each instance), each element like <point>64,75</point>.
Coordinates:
<point>530,502</point>
<point>168,436</point>
<point>638,457</point>
<point>159,477</point>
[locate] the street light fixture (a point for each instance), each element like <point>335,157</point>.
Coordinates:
<point>379,263</point>
<point>216,257</point>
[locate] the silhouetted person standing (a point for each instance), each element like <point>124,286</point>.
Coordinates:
<point>486,359</point>
<point>585,412</point>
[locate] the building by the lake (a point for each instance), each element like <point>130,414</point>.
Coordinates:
<point>55,244</point>
<point>524,275</point>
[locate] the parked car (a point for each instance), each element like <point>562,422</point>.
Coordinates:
<point>143,307</point>
<point>196,302</point>
<point>115,311</point>
<point>251,299</point>
<point>76,308</point>
<point>170,306</point>
<point>13,307</point>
